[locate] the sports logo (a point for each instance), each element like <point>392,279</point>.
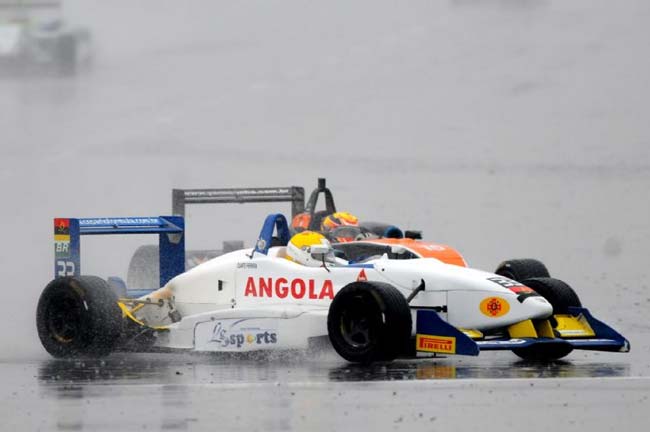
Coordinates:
<point>494,307</point>
<point>234,338</point>
<point>435,344</point>
<point>362,276</point>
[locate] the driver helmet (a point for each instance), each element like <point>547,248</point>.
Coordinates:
<point>299,249</point>
<point>338,219</point>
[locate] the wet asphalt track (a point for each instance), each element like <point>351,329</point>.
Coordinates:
<point>183,392</point>
<point>506,128</point>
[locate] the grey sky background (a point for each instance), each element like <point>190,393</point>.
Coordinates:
<point>505,128</point>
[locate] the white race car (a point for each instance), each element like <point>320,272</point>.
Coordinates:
<point>256,299</point>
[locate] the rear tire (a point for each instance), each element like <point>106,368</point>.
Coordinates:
<point>521,269</point>
<point>369,321</point>
<point>78,317</point>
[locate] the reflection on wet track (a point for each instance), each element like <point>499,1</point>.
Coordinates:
<point>204,369</point>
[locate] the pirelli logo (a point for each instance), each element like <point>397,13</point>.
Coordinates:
<point>435,344</point>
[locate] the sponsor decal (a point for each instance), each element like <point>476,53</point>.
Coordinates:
<point>244,337</point>
<point>505,282</point>
<point>246,265</point>
<point>137,221</point>
<point>362,276</point>
<point>241,193</point>
<point>435,344</point>
<point>522,291</point>
<point>289,288</point>
<point>494,307</point>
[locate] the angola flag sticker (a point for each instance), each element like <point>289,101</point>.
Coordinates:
<point>62,237</point>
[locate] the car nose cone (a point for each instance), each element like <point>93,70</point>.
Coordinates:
<point>539,307</point>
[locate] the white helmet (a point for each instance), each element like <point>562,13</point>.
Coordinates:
<point>310,248</point>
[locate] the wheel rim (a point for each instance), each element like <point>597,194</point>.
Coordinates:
<point>358,323</point>
<point>63,318</point>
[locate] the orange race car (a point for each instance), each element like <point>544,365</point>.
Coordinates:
<point>361,240</point>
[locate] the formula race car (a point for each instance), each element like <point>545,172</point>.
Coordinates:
<point>375,309</point>
<point>34,38</point>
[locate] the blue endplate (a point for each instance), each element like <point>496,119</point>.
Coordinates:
<point>434,335</point>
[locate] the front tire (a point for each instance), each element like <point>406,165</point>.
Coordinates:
<point>369,321</point>
<point>561,296</point>
<point>78,317</point>
<point>558,293</point>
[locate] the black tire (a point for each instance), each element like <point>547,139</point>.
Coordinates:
<point>369,321</point>
<point>521,269</point>
<point>78,316</point>
<point>560,295</point>
<point>544,352</point>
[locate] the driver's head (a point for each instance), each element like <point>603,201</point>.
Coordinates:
<point>299,249</point>
<point>338,219</point>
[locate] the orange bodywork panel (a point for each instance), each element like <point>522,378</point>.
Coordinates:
<point>425,249</point>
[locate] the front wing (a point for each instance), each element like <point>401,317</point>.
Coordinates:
<point>437,336</point>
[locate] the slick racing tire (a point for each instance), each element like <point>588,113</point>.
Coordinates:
<point>78,316</point>
<point>521,269</point>
<point>368,322</point>
<point>561,296</point>
<point>545,352</point>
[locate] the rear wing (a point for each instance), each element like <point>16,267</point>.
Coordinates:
<point>293,194</point>
<point>171,241</point>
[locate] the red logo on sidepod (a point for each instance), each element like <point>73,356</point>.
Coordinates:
<point>283,288</point>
